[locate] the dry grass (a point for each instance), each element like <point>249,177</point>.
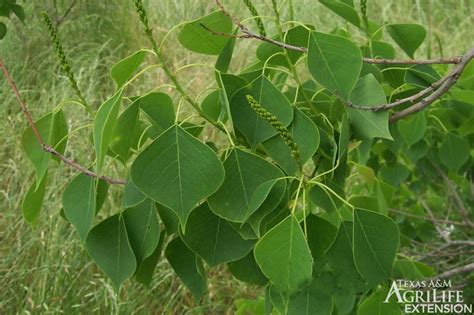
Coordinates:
<point>45,269</point>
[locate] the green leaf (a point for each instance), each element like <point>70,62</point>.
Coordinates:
<point>195,37</point>
<point>125,131</point>
<point>188,266</point>
<point>284,256</point>
<point>104,124</point>
<point>79,203</point>
<point>145,271</point>
<point>296,36</point>
<point>169,218</point>
<point>19,12</point>
<point>178,171</point>
<point>159,109</point>
<point>108,245</point>
<point>306,136</point>
<point>247,270</point>
<point>412,129</point>
<point>248,181</point>
<point>325,199</point>
<point>344,10</point>
<point>321,235</point>
<point>254,128</point>
<point>394,174</point>
<point>123,70</point>
<point>33,201</point>
<point>312,300</point>
<point>376,240</point>
<point>412,270</point>
<point>3,30</point>
<point>143,229</point>
<point>211,105</point>
<point>225,57</point>
<point>407,36</point>
<point>375,305</point>
<point>366,123</point>
<point>132,196</point>
<point>51,129</point>
<point>269,206</point>
<point>213,238</point>
<point>334,62</point>
<point>341,259</point>
<point>454,151</point>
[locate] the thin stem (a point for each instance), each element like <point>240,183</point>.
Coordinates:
<point>46,147</point>
<point>167,69</point>
<point>252,35</point>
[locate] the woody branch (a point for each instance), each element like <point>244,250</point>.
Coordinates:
<point>46,147</point>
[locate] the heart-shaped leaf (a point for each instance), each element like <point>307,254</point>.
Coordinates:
<point>200,35</point>
<point>334,62</point>
<point>178,171</point>
<point>108,245</point>
<point>375,245</point>
<point>284,256</point>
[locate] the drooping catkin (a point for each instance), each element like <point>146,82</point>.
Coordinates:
<point>255,14</point>
<point>282,130</point>
<point>63,61</point>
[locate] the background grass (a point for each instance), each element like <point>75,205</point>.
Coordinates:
<point>45,269</point>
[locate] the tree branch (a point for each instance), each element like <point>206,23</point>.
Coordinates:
<point>455,271</point>
<point>427,218</point>
<point>410,99</point>
<point>249,34</point>
<point>46,147</point>
<point>452,78</point>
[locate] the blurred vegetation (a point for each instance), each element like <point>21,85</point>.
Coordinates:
<point>45,269</point>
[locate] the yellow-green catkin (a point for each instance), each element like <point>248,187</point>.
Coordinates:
<point>282,130</point>
<point>363,10</point>
<point>255,14</point>
<point>65,65</point>
<point>143,18</point>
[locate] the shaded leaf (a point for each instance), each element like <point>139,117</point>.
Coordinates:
<point>254,128</point>
<point>248,181</point>
<point>366,123</point>
<point>143,229</point>
<point>188,266</point>
<point>159,109</point>
<point>33,201</point>
<point>247,270</point>
<point>306,136</point>
<point>79,203</point>
<point>376,240</point>
<point>108,245</point>
<point>213,238</point>
<point>454,151</point>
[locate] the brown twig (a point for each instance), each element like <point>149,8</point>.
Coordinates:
<point>46,147</point>
<point>60,20</point>
<point>427,218</point>
<point>453,272</point>
<point>249,34</point>
<point>452,78</point>
<point>411,99</point>
<point>457,199</point>
<point>441,233</point>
